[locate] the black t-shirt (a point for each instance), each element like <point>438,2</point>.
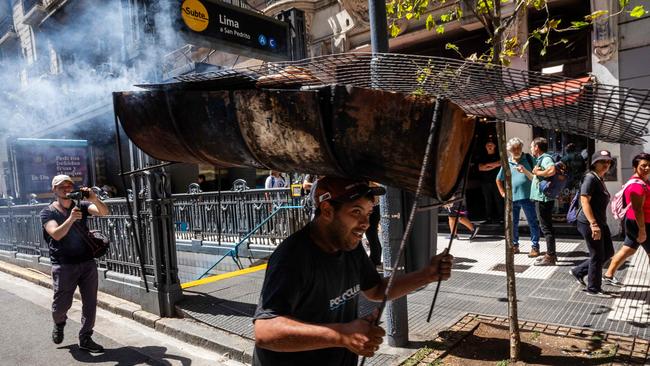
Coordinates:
<point>71,249</point>
<point>489,176</point>
<point>595,188</point>
<point>312,286</point>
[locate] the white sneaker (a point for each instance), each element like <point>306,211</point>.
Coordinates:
<point>613,281</point>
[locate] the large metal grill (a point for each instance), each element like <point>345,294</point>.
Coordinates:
<point>579,106</point>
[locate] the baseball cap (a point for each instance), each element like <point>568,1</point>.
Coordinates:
<point>343,190</point>
<point>601,155</point>
<point>60,179</point>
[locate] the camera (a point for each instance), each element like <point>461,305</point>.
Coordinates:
<point>77,195</point>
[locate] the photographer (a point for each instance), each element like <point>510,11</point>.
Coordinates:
<point>64,228</point>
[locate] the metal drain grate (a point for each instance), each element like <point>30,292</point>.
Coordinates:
<point>501,267</point>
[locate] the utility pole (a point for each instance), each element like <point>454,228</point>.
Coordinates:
<point>391,205</point>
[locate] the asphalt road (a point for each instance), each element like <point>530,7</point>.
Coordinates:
<point>26,326</point>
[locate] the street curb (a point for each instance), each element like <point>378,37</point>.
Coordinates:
<point>183,329</point>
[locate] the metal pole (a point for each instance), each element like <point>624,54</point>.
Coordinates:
<point>378,26</point>
<point>391,205</point>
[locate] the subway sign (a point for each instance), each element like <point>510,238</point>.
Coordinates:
<point>222,26</point>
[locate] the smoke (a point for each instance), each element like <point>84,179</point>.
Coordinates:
<point>85,51</point>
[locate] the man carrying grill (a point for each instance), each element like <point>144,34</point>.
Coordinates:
<point>308,308</point>
<point>64,227</point>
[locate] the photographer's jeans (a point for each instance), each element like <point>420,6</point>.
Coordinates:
<point>66,278</point>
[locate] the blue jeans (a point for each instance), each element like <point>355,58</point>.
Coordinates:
<point>529,210</point>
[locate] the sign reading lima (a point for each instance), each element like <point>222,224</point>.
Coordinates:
<point>222,18</point>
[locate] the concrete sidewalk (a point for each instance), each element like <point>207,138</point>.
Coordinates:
<point>186,330</point>
<point>218,315</point>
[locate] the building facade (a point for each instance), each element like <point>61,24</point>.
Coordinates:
<point>62,58</point>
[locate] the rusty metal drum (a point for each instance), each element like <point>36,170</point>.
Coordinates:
<point>331,130</point>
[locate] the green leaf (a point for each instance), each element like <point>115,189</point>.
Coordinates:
<point>553,23</point>
<point>623,3</point>
<point>542,52</point>
<point>578,24</point>
<point>409,16</point>
<point>596,14</point>
<point>430,23</point>
<point>638,11</point>
<point>394,30</point>
<point>451,46</point>
<point>440,29</point>
<point>390,8</point>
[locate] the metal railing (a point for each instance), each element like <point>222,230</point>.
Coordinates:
<point>226,217</point>
<point>217,220</point>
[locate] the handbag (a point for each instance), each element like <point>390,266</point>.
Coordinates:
<point>98,243</point>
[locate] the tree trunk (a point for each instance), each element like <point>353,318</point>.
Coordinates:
<point>515,338</point>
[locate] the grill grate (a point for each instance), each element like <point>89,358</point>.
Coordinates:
<point>580,106</point>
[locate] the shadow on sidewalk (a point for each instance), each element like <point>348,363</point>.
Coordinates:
<point>124,356</point>
<point>218,306</point>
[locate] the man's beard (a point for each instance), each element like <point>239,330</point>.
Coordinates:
<point>338,235</point>
<point>517,157</point>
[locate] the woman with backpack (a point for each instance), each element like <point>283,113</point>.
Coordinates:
<point>637,219</point>
<point>592,224</point>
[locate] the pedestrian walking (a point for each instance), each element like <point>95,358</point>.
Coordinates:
<point>521,165</point>
<point>637,218</point>
<point>73,265</point>
<point>308,308</point>
<point>457,210</point>
<point>592,225</point>
<point>543,169</point>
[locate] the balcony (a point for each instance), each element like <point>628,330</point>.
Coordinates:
<point>35,11</point>
<point>7,30</point>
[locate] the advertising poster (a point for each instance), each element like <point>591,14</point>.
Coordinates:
<point>37,161</point>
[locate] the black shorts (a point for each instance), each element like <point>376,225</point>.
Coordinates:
<point>457,209</point>
<point>632,232</point>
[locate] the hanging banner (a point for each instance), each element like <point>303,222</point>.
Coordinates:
<point>215,24</point>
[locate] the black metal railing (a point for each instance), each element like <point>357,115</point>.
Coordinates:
<point>215,219</point>
<point>227,216</point>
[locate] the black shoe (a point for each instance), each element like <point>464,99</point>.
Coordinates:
<point>580,280</point>
<point>57,333</point>
<point>601,294</point>
<point>87,344</point>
